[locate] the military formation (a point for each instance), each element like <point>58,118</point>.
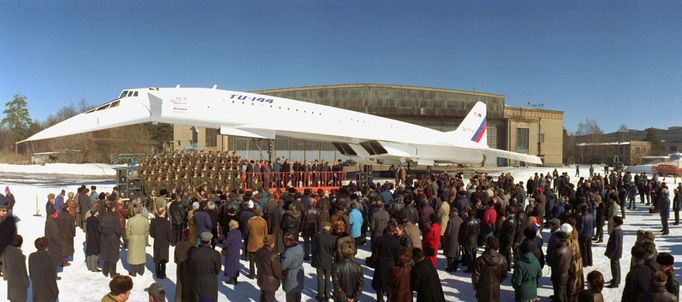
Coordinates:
<point>190,171</point>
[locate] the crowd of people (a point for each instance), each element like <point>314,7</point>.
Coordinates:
<point>405,226</point>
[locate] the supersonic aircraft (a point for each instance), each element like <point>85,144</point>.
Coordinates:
<point>260,116</point>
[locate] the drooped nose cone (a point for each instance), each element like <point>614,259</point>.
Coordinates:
<point>117,113</point>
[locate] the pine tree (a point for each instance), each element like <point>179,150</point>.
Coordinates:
<point>17,118</point>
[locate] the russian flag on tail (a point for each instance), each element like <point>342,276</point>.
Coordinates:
<point>480,132</point>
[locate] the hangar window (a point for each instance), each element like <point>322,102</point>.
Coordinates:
<point>212,137</point>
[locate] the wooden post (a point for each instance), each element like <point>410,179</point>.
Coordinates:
<point>37,214</point>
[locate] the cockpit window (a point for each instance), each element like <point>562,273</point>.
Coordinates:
<point>105,106</point>
<point>135,93</point>
<point>114,104</point>
<point>130,93</point>
<point>123,94</point>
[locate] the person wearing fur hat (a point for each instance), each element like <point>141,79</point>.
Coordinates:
<point>256,230</point>
<point>665,263</point>
<point>9,197</point>
<point>658,292</point>
<point>205,263</point>
<point>269,270</point>
<point>231,247</point>
<point>52,234</point>
<point>639,279</point>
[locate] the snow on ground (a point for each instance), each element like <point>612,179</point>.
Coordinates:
<point>79,284</point>
<point>62,169</point>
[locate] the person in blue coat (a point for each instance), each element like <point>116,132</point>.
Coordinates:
<point>614,251</point>
<point>292,263</point>
<point>231,247</point>
<point>664,208</point>
<point>355,220</point>
<point>585,226</point>
<point>202,221</point>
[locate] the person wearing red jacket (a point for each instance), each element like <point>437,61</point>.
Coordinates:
<point>489,219</point>
<point>431,240</point>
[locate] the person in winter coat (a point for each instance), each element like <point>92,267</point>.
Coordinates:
<point>256,230</point>
<point>413,233</point>
<point>599,219</point>
<point>665,263</point>
<point>658,291</point>
<point>14,271</point>
<point>378,221</point>
<point>506,234</point>
<point>432,240</point>
<point>190,223</point>
<point>230,252</point>
<point>205,264</point>
<point>527,273</point>
<point>93,240</point>
<point>160,230</point>
<point>184,288</point>
<point>614,251</point>
<point>291,221</point>
<point>424,279</point>
<point>639,279</point>
<point>347,276</point>
<point>177,216</point>
<point>67,231</point>
<point>468,238</point>
<point>202,220</point>
<point>43,276</point>
<point>664,208</point>
<point>137,231</point>
<point>585,227</point>
<point>52,234</point>
<point>269,270</point>
<point>274,222</point>
<point>451,241</point>
<point>292,262</point>
<point>400,277</point>
<point>559,259</point>
<point>490,269</point>
<point>425,213</point>
<point>576,281</point>
<point>324,247</point>
<point>111,231</point>
<point>384,255</point>
<point>311,226</point>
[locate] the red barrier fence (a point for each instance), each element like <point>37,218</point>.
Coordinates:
<point>298,180</point>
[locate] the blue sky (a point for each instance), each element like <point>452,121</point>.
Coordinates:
<point>617,62</point>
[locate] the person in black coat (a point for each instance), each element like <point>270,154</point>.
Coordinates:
<point>160,230</point>
<point>468,238</point>
<point>451,241</point>
<point>347,275</point>
<point>52,234</point>
<point>43,276</point>
<point>205,264</point>
<point>110,229</point>
<point>93,240</point>
<point>14,271</point>
<point>324,247</point>
<point>384,253</point>
<point>614,251</point>
<point>177,215</point>
<point>424,279</point>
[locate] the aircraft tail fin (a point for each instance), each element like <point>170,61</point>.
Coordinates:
<point>473,128</point>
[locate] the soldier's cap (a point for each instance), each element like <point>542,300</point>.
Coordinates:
<point>155,289</point>
<point>206,236</point>
<point>554,221</point>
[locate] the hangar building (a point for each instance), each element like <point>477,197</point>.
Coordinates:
<point>525,130</point>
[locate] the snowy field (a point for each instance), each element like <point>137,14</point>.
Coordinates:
<point>79,284</point>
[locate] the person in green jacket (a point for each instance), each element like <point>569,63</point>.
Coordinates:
<point>527,273</point>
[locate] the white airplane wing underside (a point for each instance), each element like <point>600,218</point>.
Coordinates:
<point>247,132</point>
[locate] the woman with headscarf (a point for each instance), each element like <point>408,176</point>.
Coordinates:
<point>231,247</point>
